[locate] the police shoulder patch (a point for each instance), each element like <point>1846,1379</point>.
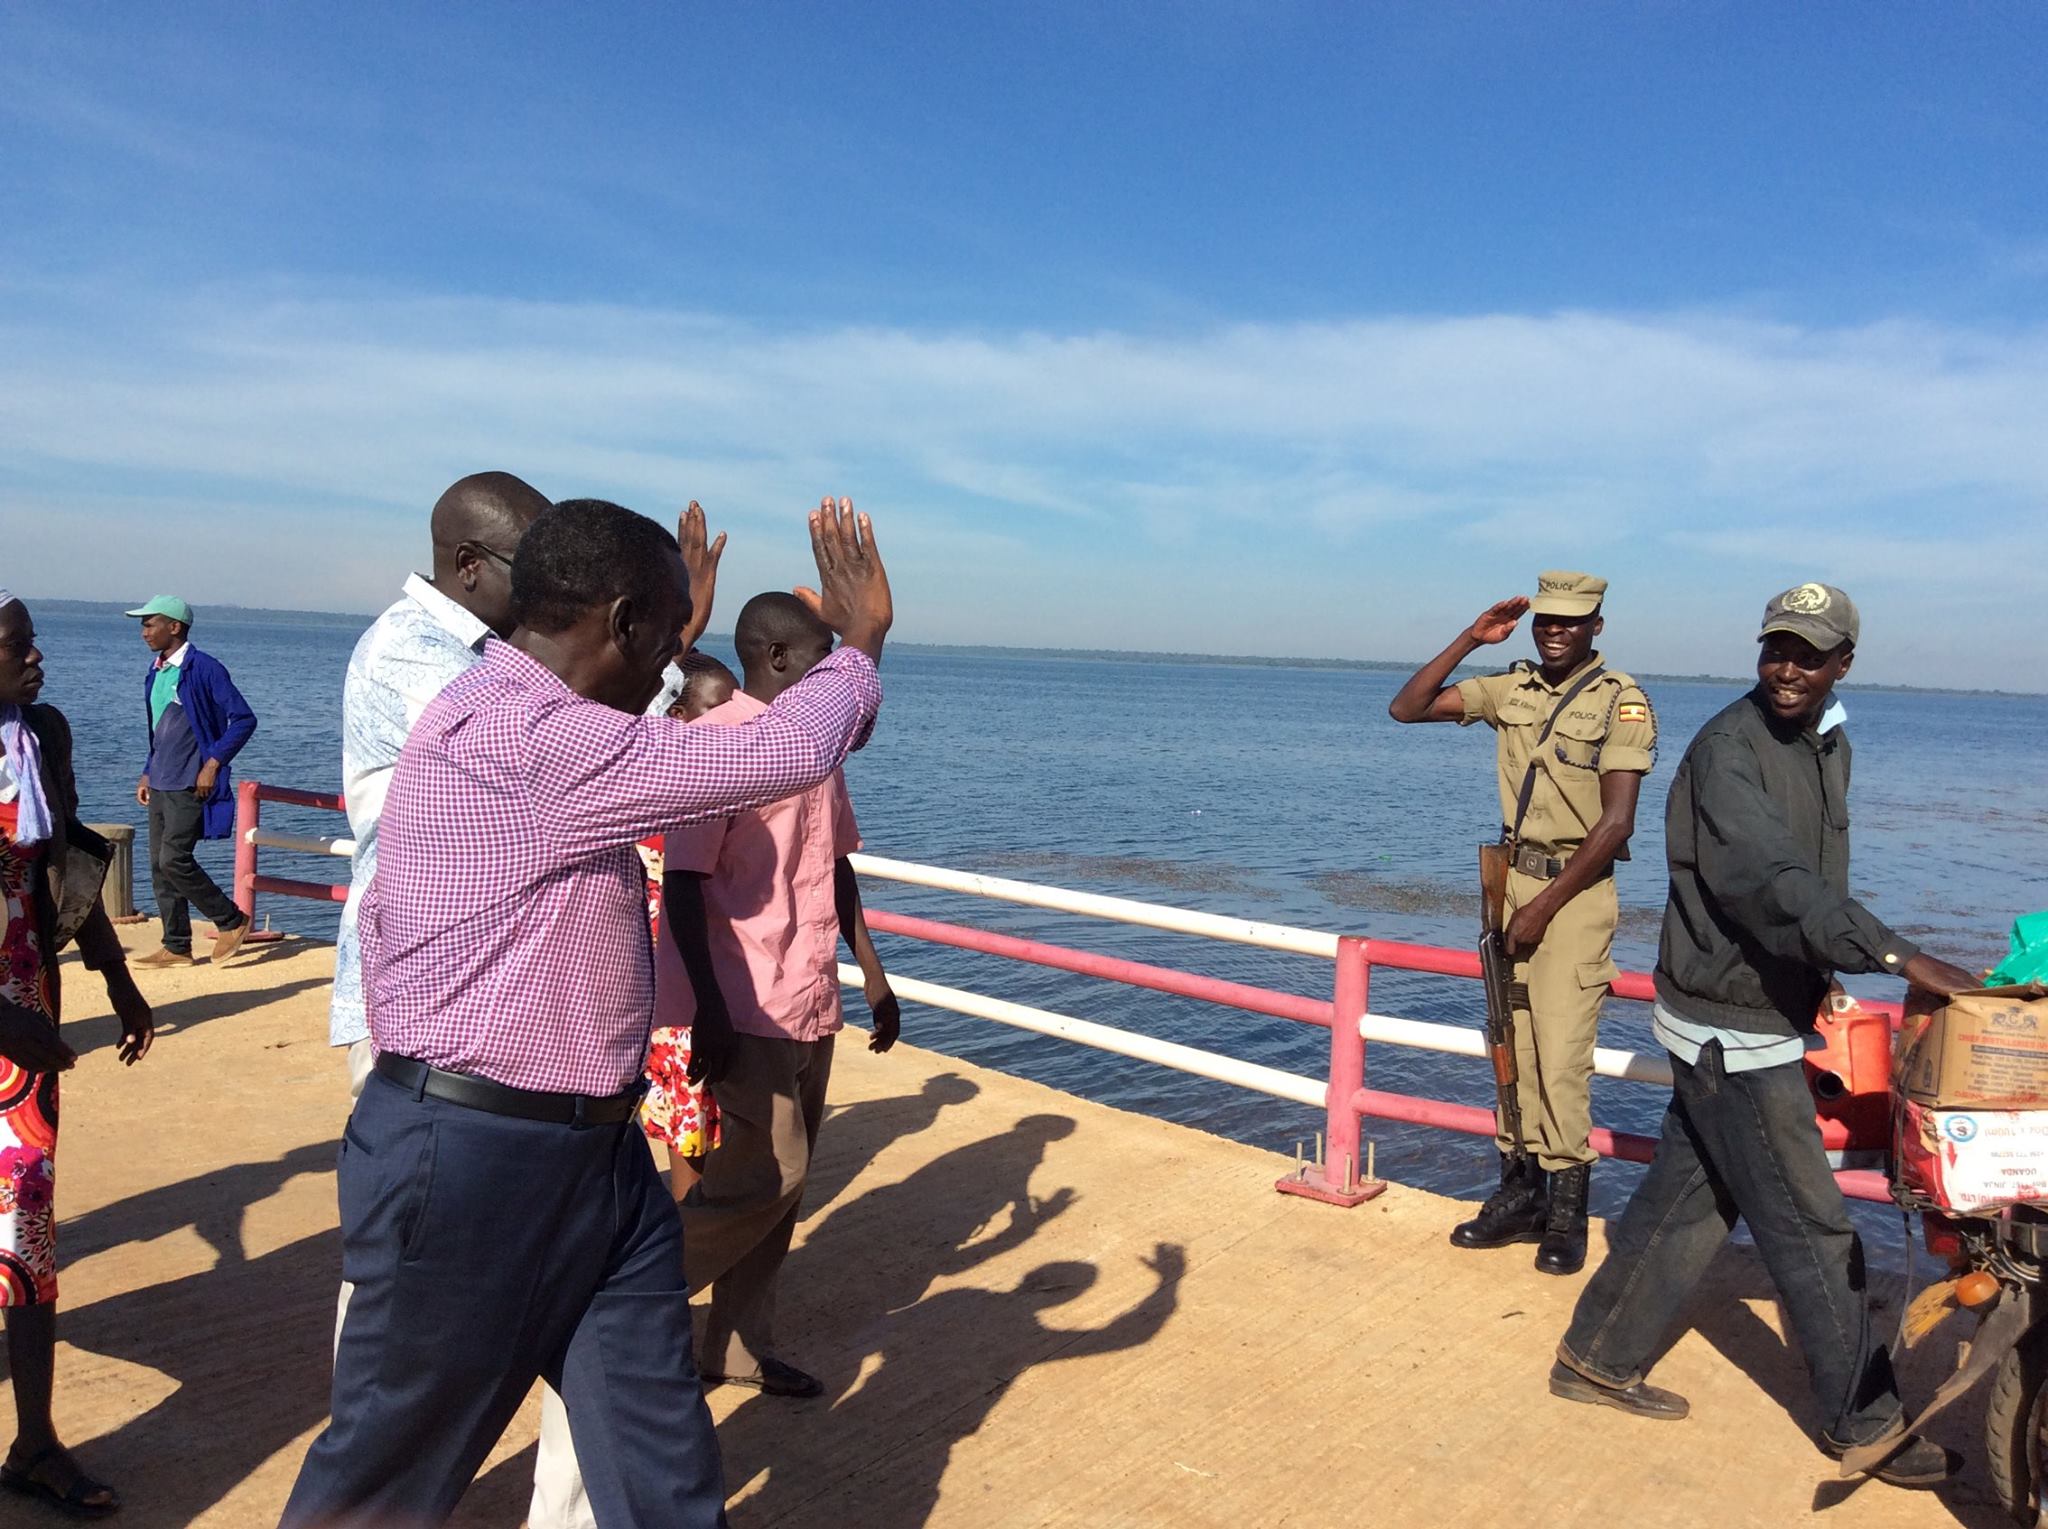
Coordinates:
<point>1632,711</point>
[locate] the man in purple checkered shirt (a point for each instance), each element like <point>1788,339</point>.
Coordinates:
<point>502,1220</point>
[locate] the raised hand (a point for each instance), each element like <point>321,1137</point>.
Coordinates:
<point>700,561</point>
<point>1497,622</point>
<point>852,596</point>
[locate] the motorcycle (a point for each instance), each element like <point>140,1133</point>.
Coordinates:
<point>1991,1240</point>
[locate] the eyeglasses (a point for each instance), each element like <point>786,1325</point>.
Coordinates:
<point>486,548</point>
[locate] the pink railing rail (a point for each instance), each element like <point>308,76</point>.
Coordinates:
<point>1339,1178</point>
<point>250,796</point>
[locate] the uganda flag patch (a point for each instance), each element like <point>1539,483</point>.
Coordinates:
<point>1633,711</point>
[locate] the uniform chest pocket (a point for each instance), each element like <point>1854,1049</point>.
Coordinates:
<point>1575,741</point>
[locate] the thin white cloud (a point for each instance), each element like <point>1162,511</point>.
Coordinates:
<point>1665,445</point>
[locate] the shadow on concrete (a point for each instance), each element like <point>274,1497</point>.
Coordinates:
<point>244,1344</point>
<point>89,1035</point>
<point>213,1205</point>
<point>912,1373</point>
<point>501,1495</point>
<point>854,1135</point>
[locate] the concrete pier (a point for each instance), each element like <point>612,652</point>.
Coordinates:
<point>1028,1310</point>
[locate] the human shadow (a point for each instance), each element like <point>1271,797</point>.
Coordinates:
<point>945,1363</point>
<point>212,1204</point>
<point>244,1343</point>
<point>856,1304</point>
<point>89,1035</point>
<point>856,1134</point>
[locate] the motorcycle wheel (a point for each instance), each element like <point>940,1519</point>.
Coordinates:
<point>2013,1426</point>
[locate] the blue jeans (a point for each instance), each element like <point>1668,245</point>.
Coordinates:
<point>1741,1144</point>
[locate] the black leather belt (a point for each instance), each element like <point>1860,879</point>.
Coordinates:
<point>417,1078</point>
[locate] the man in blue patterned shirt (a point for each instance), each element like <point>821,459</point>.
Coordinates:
<point>410,653</point>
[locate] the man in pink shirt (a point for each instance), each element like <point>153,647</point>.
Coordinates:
<point>757,903</point>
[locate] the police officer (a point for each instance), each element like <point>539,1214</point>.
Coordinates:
<point>1575,740</point>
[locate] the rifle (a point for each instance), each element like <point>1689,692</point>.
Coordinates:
<point>1496,973</point>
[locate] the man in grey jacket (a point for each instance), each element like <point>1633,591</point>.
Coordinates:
<point>1759,920</point>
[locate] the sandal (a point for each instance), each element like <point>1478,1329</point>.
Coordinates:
<point>75,1501</point>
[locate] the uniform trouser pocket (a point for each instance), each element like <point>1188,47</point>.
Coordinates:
<point>1567,977</point>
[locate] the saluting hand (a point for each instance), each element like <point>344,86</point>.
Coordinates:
<point>1497,622</point>
<point>852,596</point>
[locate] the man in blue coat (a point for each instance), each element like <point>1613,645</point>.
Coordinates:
<point>198,722</point>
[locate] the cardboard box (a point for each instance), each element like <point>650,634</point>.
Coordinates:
<point>1987,1049</point>
<point>1966,1161</point>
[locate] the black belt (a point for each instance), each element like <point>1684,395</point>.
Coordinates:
<point>417,1078</point>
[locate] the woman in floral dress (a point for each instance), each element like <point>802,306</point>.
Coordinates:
<point>38,803</point>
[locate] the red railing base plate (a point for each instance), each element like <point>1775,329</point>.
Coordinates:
<point>1331,1194</point>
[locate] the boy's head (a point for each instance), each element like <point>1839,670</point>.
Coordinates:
<point>779,641</point>
<point>706,684</point>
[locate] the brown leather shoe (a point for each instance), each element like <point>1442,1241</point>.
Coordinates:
<point>228,941</point>
<point>163,957</point>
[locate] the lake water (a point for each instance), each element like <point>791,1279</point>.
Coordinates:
<point>1281,794</point>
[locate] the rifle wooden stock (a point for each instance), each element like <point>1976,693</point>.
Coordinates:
<point>1496,973</point>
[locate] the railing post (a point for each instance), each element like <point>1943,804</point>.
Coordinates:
<point>1340,1178</point>
<point>248,813</point>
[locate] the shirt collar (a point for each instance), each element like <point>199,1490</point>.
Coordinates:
<point>522,667</point>
<point>175,659</point>
<point>1535,674</point>
<point>456,620</point>
<point>1832,718</point>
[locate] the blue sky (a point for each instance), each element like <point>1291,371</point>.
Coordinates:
<point>1274,328</point>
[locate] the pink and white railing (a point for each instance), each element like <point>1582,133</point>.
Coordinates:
<point>1339,1176</point>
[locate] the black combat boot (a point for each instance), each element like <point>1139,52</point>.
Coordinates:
<point>1515,1212</point>
<point>1564,1231</point>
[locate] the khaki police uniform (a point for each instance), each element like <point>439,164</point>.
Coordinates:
<point>1608,726</point>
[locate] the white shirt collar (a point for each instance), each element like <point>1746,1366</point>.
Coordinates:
<point>1832,718</point>
<point>458,621</point>
<point>175,659</point>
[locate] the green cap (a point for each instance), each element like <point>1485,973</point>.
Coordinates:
<point>164,605</point>
<point>1820,613</point>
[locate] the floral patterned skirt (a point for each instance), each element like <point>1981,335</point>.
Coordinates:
<point>676,1112</point>
<point>28,1176</point>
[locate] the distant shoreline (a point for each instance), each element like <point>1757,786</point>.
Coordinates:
<point>238,613</point>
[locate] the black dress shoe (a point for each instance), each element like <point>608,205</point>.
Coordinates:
<point>774,1379</point>
<point>1642,1399</point>
<point>1515,1212</point>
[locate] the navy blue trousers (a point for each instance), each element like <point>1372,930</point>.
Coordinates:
<point>487,1252</point>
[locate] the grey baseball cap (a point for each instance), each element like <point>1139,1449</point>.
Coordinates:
<point>1820,613</point>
